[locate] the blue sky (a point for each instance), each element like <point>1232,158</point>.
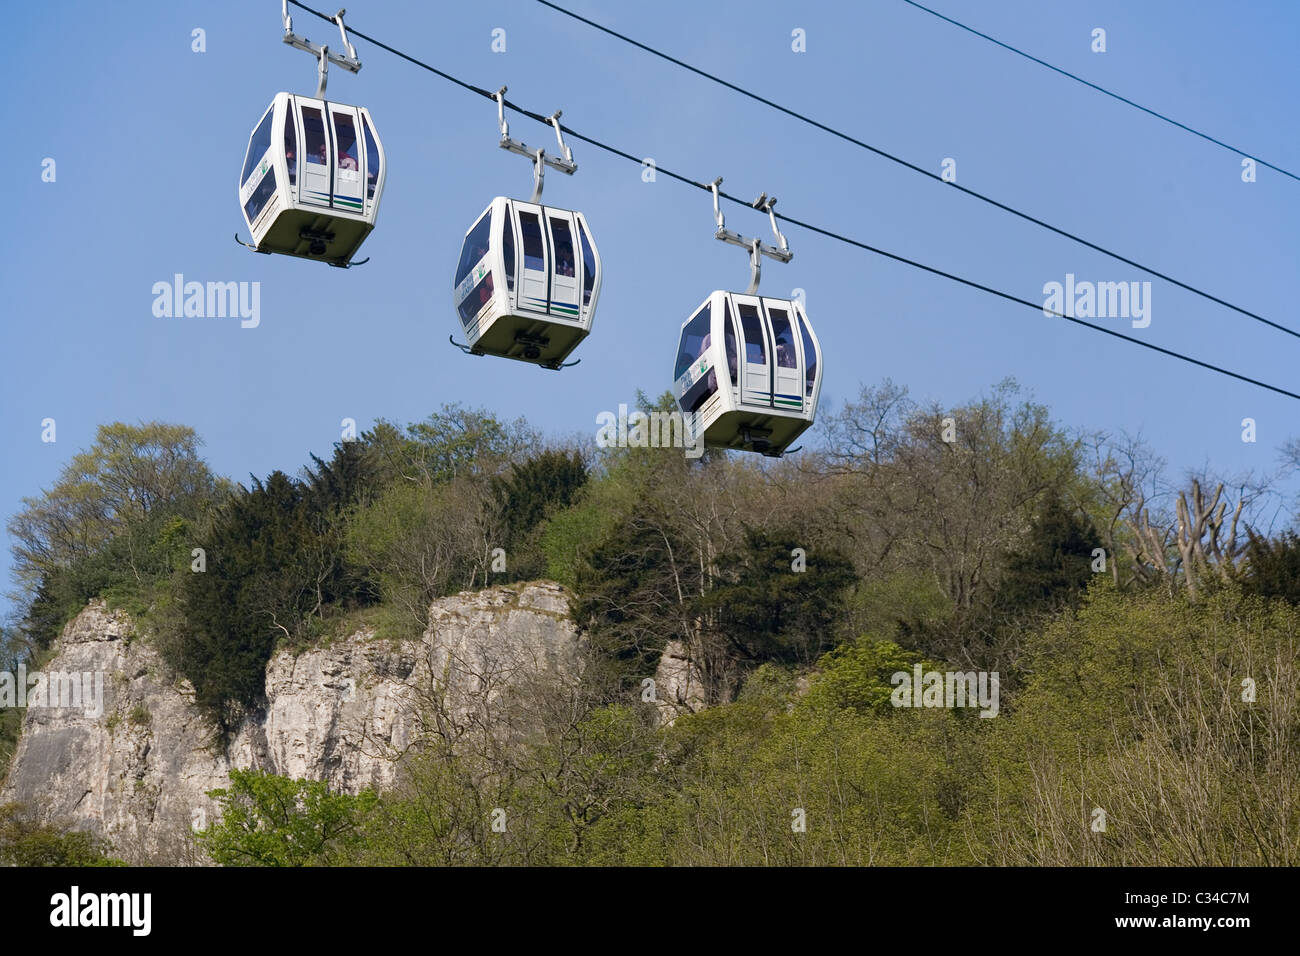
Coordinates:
<point>149,138</point>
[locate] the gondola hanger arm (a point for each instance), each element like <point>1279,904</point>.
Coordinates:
<point>321,51</point>
<point>756,247</point>
<point>564,164</point>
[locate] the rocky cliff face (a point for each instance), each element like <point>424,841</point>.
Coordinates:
<point>138,772</point>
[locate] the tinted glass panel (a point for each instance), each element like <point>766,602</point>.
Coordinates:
<point>809,357</point>
<point>291,147</point>
<point>345,137</point>
<point>730,329</point>
<point>313,131</point>
<point>564,257</point>
<point>532,230</point>
<point>700,392</point>
<point>695,339</point>
<point>755,350</point>
<point>475,247</point>
<point>478,297</point>
<point>263,192</point>
<point>372,159</point>
<point>508,249</point>
<point>257,146</point>
<point>784,335</point>
<point>588,266</point>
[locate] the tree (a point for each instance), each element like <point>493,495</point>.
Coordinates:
<point>946,492</point>
<point>26,842</point>
<point>1273,566</point>
<point>130,472</point>
<point>1053,567</point>
<point>268,820</point>
<point>453,441</point>
<point>769,610</point>
<point>117,522</point>
<point>527,496</point>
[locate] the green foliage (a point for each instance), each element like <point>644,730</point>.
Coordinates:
<point>1179,719</point>
<point>956,554</point>
<point>1053,567</point>
<point>418,543</point>
<point>570,535</point>
<point>767,610</point>
<point>24,842</point>
<point>1135,705</point>
<point>1273,566</point>
<point>856,676</point>
<point>116,523</point>
<point>531,493</point>
<point>275,567</point>
<point>453,442</point>
<point>274,821</point>
<point>617,584</point>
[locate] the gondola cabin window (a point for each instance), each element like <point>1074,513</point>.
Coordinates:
<point>755,351</point>
<point>314,131</point>
<point>695,340</point>
<point>532,230</point>
<point>508,251</point>
<point>588,267</point>
<point>809,357</point>
<point>291,148</point>
<point>564,259</point>
<point>372,159</point>
<point>785,354</point>
<point>347,141</point>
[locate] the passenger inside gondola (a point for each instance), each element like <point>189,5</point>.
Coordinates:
<point>347,139</point>
<point>712,384</point>
<point>785,356</point>
<point>291,149</point>
<point>314,130</point>
<point>563,247</point>
<point>694,344</point>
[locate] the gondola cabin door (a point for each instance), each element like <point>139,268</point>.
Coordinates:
<point>535,267</point>
<point>551,281</point>
<point>317,163</point>
<point>787,391</point>
<point>349,181</point>
<point>756,367</point>
<point>566,285</point>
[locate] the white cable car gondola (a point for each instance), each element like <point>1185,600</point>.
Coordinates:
<point>314,171</point>
<point>748,371</point>
<point>529,275</point>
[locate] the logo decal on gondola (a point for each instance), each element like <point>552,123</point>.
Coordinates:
<point>470,281</point>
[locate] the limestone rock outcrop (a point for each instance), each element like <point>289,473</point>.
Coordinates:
<point>344,712</point>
